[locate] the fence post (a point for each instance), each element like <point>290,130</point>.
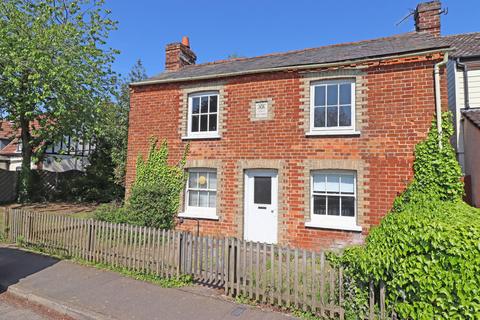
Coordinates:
<point>382,300</point>
<point>90,239</point>
<point>181,254</point>
<point>29,228</point>
<point>6,223</point>
<point>372,301</point>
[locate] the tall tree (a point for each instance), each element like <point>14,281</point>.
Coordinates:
<point>119,148</point>
<point>55,71</point>
<point>113,132</point>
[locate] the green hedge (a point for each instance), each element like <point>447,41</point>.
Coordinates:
<point>427,249</point>
<point>429,257</point>
<point>155,194</point>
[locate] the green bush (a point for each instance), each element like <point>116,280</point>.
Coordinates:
<point>111,213</point>
<point>429,257</point>
<point>427,250</point>
<point>151,205</point>
<point>437,172</point>
<point>155,194</point>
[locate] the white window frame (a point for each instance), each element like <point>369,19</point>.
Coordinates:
<point>334,222</point>
<point>199,212</point>
<point>344,130</point>
<point>202,134</point>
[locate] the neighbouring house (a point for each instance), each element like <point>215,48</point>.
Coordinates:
<point>463,72</point>
<point>306,148</point>
<point>65,155</point>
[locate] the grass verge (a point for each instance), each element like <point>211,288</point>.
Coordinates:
<point>175,282</point>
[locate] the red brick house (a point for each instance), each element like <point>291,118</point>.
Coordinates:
<point>307,148</point>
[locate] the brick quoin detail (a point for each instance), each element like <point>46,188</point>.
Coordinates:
<point>397,108</point>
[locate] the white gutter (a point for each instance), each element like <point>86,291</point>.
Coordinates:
<point>438,97</point>
<point>293,67</point>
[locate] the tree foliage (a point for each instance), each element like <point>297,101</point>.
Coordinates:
<point>115,128</point>
<point>427,250</point>
<point>55,71</point>
<point>104,179</point>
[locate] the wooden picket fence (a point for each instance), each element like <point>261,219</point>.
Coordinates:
<point>266,273</point>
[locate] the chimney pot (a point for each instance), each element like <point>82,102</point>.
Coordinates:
<point>427,17</point>
<point>186,41</point>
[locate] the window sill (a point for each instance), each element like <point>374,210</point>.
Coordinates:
<point>332,133</point>
<point>317,225</point>
<point>191,215</point>
<point>202,137</point>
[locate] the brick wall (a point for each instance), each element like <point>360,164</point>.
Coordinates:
<point>395,106</point>
<point>427,17</point>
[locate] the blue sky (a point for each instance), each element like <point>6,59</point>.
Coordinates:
<point>249,28</point>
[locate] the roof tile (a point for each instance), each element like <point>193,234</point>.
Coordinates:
<point>402,43</point>
<point>465,45</point>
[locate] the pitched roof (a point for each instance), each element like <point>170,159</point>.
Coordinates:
<point>6,130</point>
<point>473,115</point>
<point>381,47</point>
<point>465,45</point>
<point>10,149</point>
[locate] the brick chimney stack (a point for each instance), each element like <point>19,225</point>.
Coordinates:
<point>179,55</point>
<point>427,17</point>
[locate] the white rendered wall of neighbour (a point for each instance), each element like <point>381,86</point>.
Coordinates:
<point>15,163</point>
<point>54,164</point>
<point>64,163</point>
<point>456,101</point>
<point>473,88</point>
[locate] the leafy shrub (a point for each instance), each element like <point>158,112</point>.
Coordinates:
<point>155,195</point>
<point>427,250</point>
<point>437,172</point>
<point>151,205</point>
<point>98,183</point>
<point>111,213</point>
<point>429,257</point>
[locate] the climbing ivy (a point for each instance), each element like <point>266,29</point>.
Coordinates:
<point>427,249</point>
<point>155,193</point>
<point>437,174</point>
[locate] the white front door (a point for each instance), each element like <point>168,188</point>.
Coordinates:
<point>261,206</point>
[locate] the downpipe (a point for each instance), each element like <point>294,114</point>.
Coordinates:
<point>438,97</point>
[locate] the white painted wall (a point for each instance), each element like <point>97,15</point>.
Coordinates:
<point>51,163</point>
<point>64,163</point>
<point>473,88</point>
<point>456,102</point>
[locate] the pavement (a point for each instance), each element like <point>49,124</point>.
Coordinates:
<point>85,293</point>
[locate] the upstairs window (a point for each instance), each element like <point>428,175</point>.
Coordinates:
<point>332,106</point>
<point>203,114</point>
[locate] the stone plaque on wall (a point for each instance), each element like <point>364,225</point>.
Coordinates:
<point>261,109</point>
